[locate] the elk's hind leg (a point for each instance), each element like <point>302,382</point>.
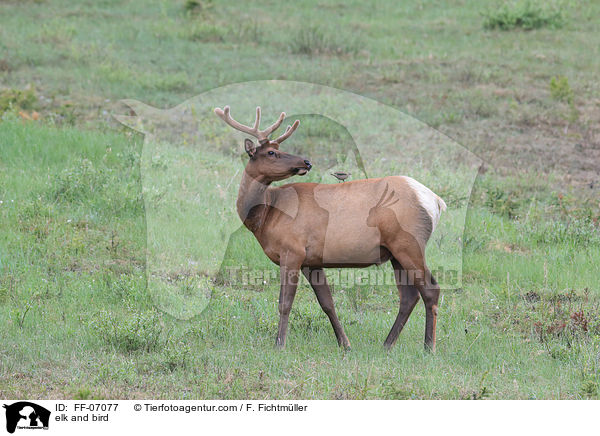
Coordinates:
<point>409,296</point>
<point>318,281</point>
<point>420,276</point>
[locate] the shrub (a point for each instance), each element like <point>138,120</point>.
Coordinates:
<point>501,203</point>
<point>306,320</point>
<point>196,6</point>
<point>137,332</point>
<point>79,182</point>
<point>176,355</point>
<point>204,32</point>
<point>576,232</point>
<point>560,89</point>
<point>16,99</point>
<point>525,15</point>
<point>247,31</point>
<point>313,40</point>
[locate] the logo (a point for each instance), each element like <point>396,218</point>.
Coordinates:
<point>26,415</point>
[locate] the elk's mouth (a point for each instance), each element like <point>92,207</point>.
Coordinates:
<point>300,171</point>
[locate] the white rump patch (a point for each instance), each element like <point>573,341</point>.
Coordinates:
<point>431,202</point>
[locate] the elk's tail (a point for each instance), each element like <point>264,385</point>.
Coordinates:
<point>435,209</point>
<point>441,204</point>
<point>430,201</point>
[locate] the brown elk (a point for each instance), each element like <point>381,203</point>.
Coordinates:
<point>310,226</point>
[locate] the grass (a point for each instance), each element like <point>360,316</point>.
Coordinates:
<point>524,325</point>
<point>79,319</point>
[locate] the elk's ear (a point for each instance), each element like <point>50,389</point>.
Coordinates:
<point>250,147</point>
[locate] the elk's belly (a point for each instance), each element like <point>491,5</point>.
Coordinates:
<point>346,243</point>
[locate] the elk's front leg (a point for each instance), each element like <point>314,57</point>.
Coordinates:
<point>318,281</point>
<point>289,271</point>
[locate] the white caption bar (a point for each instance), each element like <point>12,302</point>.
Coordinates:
<point>151,417</point>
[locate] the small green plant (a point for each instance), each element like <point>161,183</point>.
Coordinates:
<point>248,31</point>
<point>558,352</point>
<point>391,389</point>
<point>589,388</point>
<point>560,89</point>
<point>358,297</point>
<point>526,15</point>
<point>78,182</point>
<point>204,32</point>
<point>137,332</point>
<point>21,314</point>
<point>196,6</point>
<point>306,320</point>
<point>313,40</point>
<point>173,82</point>
<point>483,391</point>
<point>575,232</point>
<point>17,99</point>
<point>83,394</point>
<point>176,355</point>
<point>64,114</point>
<point>501,203</point>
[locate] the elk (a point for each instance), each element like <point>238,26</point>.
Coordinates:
<point>306,227</point>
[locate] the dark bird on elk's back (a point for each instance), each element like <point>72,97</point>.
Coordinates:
<point>340,175</point>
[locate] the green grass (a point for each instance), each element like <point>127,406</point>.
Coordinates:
<point>72,259</point>
<point>79,319</point>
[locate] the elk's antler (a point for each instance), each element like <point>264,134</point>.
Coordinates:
<point>261,135</point>
<point>288,132</point>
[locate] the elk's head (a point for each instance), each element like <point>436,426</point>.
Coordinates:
<point>267,163</point>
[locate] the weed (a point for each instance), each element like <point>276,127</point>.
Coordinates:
<point>266,324</point>
<point>194,7</point>
<point>176,354</point>
<point>17,99</point>
<point>560,89</point>
<point>313,40</point>
<point>204,32</point>
<point>178,81</point>
<point>21,314</point>
<point>358,297</point>
<point>500,202</point>
<point>79,182</point>
<point>136,332</point>
<point>483,391</point>
<point>306,320</point>
<point>56,33</point>
<point>526,15</point>
<point>248,31</point>
<point>573,232</point>
<point>589,387</point>
<point>83,394</point>
<point>559,352</point>
<point>64,114</point>
<point>5,66</point>
<point>391,389</point>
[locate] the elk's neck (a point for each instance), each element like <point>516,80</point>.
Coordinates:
<point>253,202</point>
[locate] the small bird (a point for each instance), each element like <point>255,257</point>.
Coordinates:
<point>340,175</point>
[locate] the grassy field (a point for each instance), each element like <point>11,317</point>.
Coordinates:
<point>78,318</point>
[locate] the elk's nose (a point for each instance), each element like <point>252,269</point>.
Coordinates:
<point>308,164</point>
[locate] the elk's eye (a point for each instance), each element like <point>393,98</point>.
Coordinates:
<point>271,153</point>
